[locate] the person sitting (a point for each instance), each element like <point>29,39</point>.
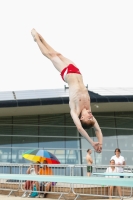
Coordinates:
<point>45,186</point>
<point>113,169</point>
<point>34,170</point>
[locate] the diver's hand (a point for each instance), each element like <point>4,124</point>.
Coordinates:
<point>99,148</point>
<point>96,146</point>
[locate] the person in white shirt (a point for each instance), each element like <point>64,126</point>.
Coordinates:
<point>33,170</point>
<point>119,160</point>
<point>113,169</point>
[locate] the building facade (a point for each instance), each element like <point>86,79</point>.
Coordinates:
<point>41,119</point>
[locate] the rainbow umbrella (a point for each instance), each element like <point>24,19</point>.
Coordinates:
<point>39,155</point>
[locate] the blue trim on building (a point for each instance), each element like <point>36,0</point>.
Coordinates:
<point>52,97</point>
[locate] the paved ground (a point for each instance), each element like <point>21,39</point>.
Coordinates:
<point>20,198</point>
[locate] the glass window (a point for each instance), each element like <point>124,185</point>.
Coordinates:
<point>125,139</point>
<point>71,131</point>
<point>17,155</point>
<point>55,119</point>
<point>60,154</point>
<point>72,143</point>
<point>6,129</point>
<point>5,141</point>
<point>5,136</point>
<point>26,120</point>
<point>105,119</point>
<point>68,120</point>
<point>58,133</point>
<point>25,125</point>
<point>21,141</point>
<point>124,123</point>
<point>25,130</point>
<point>5,154</point>
<point>51,131</point>
<point>107,123</point>
<point>73,156</point>
<point>85,145</point>
<point>51,142</point>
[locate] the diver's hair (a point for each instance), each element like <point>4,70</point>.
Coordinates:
<point>88,150</point>
<point>88,124</point>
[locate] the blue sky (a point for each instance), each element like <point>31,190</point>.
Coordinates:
<point>97,35</point>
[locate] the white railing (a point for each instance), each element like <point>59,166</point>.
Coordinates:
<point>64,188</point>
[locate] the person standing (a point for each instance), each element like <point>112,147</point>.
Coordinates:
<point>89,162</point>
<point>119,160</point>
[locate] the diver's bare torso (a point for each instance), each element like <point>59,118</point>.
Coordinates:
<point>78,94</point>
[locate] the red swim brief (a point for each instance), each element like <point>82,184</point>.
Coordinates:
<point>69,70</point>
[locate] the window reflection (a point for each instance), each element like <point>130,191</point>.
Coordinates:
<point>22,141</point>
<point>5,155</point>
<point>58,133</point>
